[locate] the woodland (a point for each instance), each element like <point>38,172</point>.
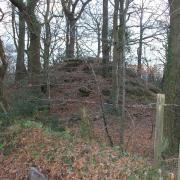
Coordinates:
<point>90,89</point>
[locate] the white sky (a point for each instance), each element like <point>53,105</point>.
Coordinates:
<point>157,6</point>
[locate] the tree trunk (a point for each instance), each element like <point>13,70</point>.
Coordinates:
<point>72,38</point>
<point>34,47</point>
<point>77,45</point>
<point>21,72</point>
<point>72,16</point>
<point>14,27</point>
<point>122,45</point>
<point>34,55</point>
<point>67,37</point>
<point>34,28</point>
<point>172,80</point>
<point>47,39</point>
<point>116,70</point>
<point>99,40</point>
<point>105,44</point>
<point>139,52</point>
<point>3,69</point>
<point>47,43</point>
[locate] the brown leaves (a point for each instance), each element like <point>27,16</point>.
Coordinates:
<point>65,159</point>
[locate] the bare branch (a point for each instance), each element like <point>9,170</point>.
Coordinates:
<point>2,15</point>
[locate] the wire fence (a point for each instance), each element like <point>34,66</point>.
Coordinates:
<point>67,89</point>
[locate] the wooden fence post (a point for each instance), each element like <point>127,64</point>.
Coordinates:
<point>158,141</point>
<point>178,176</point>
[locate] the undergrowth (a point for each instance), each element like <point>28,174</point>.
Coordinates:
<point>76,155</point>
<point>81,155</point>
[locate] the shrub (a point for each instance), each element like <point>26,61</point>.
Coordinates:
<point>51,121</point>
<point>24,102</point>
<point>8,138</point>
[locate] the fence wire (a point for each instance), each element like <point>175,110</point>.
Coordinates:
<point>140,117</point>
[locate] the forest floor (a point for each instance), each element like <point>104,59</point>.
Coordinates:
<point>80,150</point>
<point>65,156</point>
<point>76,87</point>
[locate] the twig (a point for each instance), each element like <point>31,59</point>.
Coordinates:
<point>2,15</point>
<point>102,107</point>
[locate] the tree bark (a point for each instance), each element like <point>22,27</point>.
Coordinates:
<point>21,72</point>
<point>116,70</point>
<point>105,42</point>
<point>139,52</point>
<point>122,46</point>
<point>99,40</point>
<point>69,8</point>
<point>72,24</point>
<point>47,38</point>
<point>119,61</point>
<point>47,44</point>
<point>70,37</point>
<point>34,56</point>
<point>34,27</point>
<point>67,37</point>
<point>172,80</point>
<point>3,69</point>
<point>14,28</point>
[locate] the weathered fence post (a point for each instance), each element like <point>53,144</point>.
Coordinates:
<point>178,176</point>
<point>158,140</point>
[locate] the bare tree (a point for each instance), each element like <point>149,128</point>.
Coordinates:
<point>34,27</point>
<point>141,30</point>
<point>95,25</point>
<point>21,72</point>
<point>105,44</point>
<point>119,78</point>
<point>72,17</point>
<point>3,69</point>
<point>116,61</point>
<point>47,36</point>
<point>147,27</point>
<point>171,80</point>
